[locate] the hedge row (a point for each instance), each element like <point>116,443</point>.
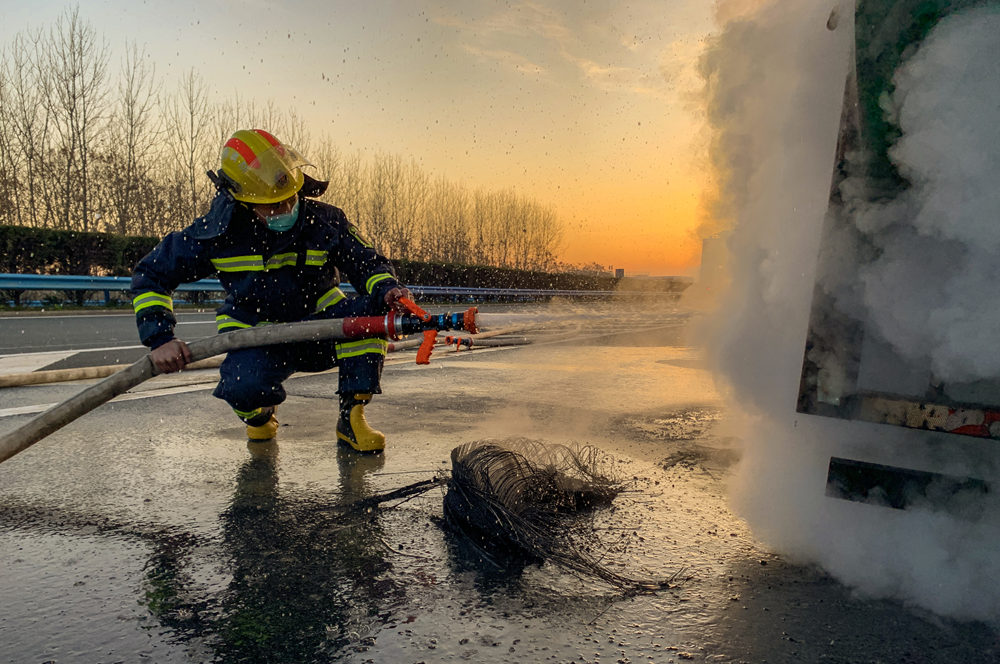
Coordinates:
<point>482,276</point>
<point>26,250</point>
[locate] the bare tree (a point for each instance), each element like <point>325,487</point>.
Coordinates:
<point>521,220</point>
<point>513,231</point>
<point>229,115</point>
<point>131,137</point>
<point>27,121</point>
<point>294,131</point>
<point>396,195</point>
<point>489,228</point>
<point>76,60</point>
<point>413,206</point>
<point>186,118</point>
<point>237,112</point>
<point>240,113</point>
<point>9,204</point>
<point>375,211</point>
<point>353,189</point>
<point>547,237</point>
<point>329,165</point>
<point>447,224</point>
<point>287,125</point>
<point>59,129</point>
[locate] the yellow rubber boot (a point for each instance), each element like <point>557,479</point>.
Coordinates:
<point>265,431</point>
<point>258,428</point>
<point>352,427</point>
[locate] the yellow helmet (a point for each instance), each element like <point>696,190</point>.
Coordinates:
<point>259,168</point>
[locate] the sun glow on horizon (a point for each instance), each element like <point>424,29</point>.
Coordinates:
<point>586,108</point>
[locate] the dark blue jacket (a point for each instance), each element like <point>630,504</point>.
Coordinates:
<point>269,277</point>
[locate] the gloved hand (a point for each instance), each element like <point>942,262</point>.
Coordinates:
<point>392,298</point>
<point>171,356</point>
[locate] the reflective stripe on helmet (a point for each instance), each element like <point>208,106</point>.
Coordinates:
<point>269,138</point>
<point>244,151</point>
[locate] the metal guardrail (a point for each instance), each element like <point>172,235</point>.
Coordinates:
<point>46,282</point>
<point>502,292</point>
<point>69,282</point>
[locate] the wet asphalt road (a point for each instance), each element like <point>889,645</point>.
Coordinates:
<point>96,334</point>
<point>150,531</point>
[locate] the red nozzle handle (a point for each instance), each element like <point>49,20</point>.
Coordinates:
<point>426,347</point>
<point>469,320</point>
<point>412,307</point>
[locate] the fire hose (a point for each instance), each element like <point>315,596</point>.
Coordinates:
<point>393,326</point>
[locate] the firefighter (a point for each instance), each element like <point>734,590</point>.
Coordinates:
<point>278,252</point>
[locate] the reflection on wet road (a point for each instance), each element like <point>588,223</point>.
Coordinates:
<point>302,577</point>
<point>148,530</point>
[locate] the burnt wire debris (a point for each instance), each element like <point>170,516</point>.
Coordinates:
<point>521,501</point>
<point>525,499</point>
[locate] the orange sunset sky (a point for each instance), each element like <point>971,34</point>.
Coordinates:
<point>587,107</point>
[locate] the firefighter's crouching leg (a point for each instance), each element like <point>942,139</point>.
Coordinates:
<point>251,384</point>
<point>360,371</point>
<point>262,423</point>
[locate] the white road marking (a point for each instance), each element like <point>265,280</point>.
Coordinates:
<point>151,390</point>
<point>16,363</point>
<point>28,362</point>
<point>122,315</point>
<point>49,353</point>
<point>51,316</point>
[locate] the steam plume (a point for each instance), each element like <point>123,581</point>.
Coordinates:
<point>774,81</point>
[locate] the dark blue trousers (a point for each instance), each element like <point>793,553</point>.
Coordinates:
<point>252,378</point>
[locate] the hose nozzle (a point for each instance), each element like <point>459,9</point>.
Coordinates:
<point>419,320</point>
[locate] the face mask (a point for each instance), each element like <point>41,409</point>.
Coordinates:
<point>282,222</point>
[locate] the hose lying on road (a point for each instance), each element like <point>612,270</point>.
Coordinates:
<point>63,413</point>
<point>413,343</point>
<point>482,340</point>
<point>84,373</point>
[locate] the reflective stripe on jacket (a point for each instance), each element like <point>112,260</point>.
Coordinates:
<point>268,276</point>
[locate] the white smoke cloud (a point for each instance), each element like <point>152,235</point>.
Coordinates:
<point>774,82</point>
<point>774,85</point>
<point>933,293</point>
